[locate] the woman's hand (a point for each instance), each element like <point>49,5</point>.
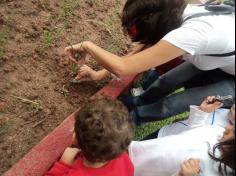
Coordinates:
<point>77,53</point>
<point>190,168</point>
<point>86,73</point>
<point>210,107</point>
<point>69,155</point>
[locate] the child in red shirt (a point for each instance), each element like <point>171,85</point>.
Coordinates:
<point>103,132</point>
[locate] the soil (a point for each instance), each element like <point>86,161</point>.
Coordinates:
<point>35,90</point>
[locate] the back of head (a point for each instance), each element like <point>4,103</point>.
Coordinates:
<point>148,21</point>
<point>103,129</point>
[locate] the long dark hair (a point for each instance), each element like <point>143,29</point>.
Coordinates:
<point>148,21</point>
<point>227,158</point>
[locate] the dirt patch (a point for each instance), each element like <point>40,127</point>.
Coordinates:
<point>35,90</point>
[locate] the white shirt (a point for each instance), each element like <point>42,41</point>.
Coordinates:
<point>163,156</point>
<point>196,119</point>
<point>206,35</point>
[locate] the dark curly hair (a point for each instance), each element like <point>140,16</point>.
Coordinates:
<point>148,21</point>
<point>227,158</point>
<point>103,129</point>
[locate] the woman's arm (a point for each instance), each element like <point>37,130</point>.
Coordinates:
<point>154,56</point>
<point>88,74</point>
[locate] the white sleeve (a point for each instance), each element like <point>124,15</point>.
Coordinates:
<point>192,38</point>
<point>197,118</point>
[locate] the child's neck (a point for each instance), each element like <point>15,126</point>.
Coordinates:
<point>94,164</point>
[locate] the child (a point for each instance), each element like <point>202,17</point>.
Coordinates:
<point>103,132</point>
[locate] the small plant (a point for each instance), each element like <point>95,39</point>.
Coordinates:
<point>47,39</point>
<point>4,35</point>
<point>67,9</point>
<point>3,129</point>
<point>4,126</point>
<point>74,69</point>
<point>64,91</point>
<point>50,37</point>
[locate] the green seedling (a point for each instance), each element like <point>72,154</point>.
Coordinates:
<point>64,91</point>
<point>76,55</point>
<point>4,35</point>
<point>47,39</point>
<point>3,129</point>
<point>4,125</point>
<point>74,69</point>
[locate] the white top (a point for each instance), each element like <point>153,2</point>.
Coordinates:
<point>197,118</point>
<point>163,156</point>
<point>206,35</point>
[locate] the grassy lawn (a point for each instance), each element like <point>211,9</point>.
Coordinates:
<point>149,128</point>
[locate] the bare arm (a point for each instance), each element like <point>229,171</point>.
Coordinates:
<point>154,56</point>
<point>88,74</point>
<point>104,73</point>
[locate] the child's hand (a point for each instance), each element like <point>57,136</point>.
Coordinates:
<point>86,73</point>
<point>190,168</point>
<point>69,155</point>
<point>210,107</point>
<point>77,53</point>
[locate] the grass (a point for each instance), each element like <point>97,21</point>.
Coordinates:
<point>116,40</point>
<point>68,7</point>
<point>4,125</point>
<point>3,129</point>
<point>50,37</point>
<point>149,128</point>
<point>4,35</point>
<point>66,11</point>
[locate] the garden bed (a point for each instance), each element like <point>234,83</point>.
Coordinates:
<point>35,90</point>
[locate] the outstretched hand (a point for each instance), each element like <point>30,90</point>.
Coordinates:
<point>76,53</point>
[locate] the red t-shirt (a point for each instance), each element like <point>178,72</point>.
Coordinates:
<point>121,166</point>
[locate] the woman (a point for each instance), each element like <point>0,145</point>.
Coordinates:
<point>206,42</point>
<point>200,139</point>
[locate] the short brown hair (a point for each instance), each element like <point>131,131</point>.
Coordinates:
<point>103,129</point>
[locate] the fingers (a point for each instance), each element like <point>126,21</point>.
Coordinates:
<point>81,75</point>
<point>194,164</point>
<point>69,51</point>
<point>85,68</point>
<point>210,99</point>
